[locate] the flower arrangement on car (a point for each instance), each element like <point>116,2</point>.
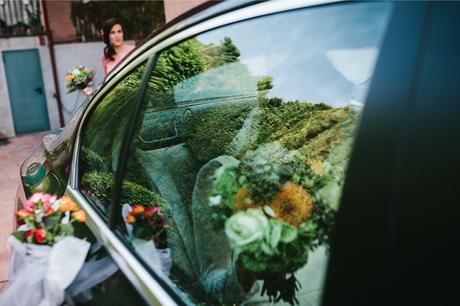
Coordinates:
<point>271,216</point>
<point>47,219</point>
<point>147,229</point>
<point>79,78</point>
<point>45,257</point>
<point>148,224</point>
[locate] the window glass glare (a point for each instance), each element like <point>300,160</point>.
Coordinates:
<point>102,138</point>
<point>237,166</point>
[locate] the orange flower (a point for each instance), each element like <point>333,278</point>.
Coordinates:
<point>130,219</point>
<point>243,200</point>
<point>67,204</point>
<point>23,213</point>
<point>73,206</point>
<point>137,209</point>
<point>69,77</point>
<point>80,216</point>
<point>292,204</point>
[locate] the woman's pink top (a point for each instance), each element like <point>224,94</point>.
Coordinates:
<point>108,65</point>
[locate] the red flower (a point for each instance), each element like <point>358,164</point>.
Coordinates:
<point>149,211</point>
<point>40,235</point>
<point>28,235</point>
<point>48,211</point>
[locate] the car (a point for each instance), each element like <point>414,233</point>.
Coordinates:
<point>335,121</point>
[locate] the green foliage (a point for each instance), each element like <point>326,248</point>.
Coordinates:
<point>294,123</point>
<point>175,65</point>
<point>205,132</point>
<point>229,53</point>
<point>90,160</point>
<point>100,184</point>
<point>224,191</point>
<point>108,122</point>
<point>218,55</point>
<point>263,86</point>
<point>133,80</point>
<point>265,170</point>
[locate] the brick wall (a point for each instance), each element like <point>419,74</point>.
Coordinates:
<point>174,8</point>
<point>60,22</point>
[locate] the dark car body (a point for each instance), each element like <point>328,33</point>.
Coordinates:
<point>397,227</point>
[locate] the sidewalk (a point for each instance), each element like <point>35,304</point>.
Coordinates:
<point>11,156</point>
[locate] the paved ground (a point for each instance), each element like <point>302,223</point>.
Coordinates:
<point>11,156</point>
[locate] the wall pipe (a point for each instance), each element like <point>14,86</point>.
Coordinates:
<point>49,36</point>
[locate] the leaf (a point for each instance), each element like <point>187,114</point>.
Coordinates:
<point>20,235</point>
<point>66,229</point>
<point>288,233</point>
<point>51,220</point>
<point>266,248</point>
<point>275,233</point>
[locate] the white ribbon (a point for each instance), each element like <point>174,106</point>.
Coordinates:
<point>40,274</point>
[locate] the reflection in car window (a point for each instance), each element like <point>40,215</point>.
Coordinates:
<point>102,138</point>
<point>241,153</point>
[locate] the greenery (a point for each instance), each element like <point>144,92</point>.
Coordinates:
<point>100,184</point>
<point>204,133</point>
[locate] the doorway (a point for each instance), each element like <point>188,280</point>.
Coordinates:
<point>26,91</point>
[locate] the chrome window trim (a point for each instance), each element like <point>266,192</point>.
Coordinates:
<point>142,280</point>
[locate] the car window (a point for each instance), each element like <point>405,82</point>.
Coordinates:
<point>102,137</point>
<point>236,169</point>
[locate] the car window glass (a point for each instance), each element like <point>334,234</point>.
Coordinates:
<point>102,137</point>
<point>236,169</point>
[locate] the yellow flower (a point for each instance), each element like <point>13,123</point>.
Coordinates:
<point>69,77</point>
<point>243,200</point>
<point>292,204</point>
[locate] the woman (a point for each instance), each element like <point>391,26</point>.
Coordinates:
<point>115,49</point>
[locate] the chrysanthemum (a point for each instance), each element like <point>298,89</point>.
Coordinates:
<point>292,204</point>
<point>244,200</point>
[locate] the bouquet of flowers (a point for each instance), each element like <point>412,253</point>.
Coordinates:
<point>271,215</point>
<point>79,78</point>
<point>47,219</point>
<point>45,256</point>
<point>148,224</point>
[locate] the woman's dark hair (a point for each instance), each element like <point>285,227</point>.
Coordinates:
<point>109,51</point>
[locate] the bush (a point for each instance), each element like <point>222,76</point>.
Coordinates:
<point>100,183</point>
<point>211,131</point>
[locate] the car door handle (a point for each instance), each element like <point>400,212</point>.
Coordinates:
<point>39,90</point>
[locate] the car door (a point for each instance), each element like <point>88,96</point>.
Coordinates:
<point>211,95</point>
